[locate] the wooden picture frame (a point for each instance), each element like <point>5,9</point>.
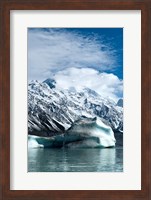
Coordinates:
<point>5,7</point>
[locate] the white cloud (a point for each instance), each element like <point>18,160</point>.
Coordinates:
<point>59,49</point>
<point>107,85</point>
<point>74,60</point>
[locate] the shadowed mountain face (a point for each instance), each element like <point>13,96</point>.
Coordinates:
<point>50,82</point>
<point>120,103</point>
<point>52,111</point>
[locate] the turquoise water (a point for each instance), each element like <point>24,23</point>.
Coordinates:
<point>75,160</point>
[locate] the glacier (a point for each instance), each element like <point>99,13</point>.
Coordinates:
<point>84,133</point>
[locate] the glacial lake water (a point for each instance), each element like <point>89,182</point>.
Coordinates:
<point>75,160</point>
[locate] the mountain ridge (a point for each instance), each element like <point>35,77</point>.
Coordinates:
<point>53,111</point>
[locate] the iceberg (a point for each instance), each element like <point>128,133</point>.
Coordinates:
<point>84,133</point>
<point>32,142</point>
<point>90,133</point>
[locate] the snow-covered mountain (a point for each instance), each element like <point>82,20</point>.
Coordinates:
<point>52,110</point>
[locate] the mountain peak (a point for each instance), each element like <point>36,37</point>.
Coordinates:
<point>120,103</point>
<point>50,82</point>
<point>90,91</point>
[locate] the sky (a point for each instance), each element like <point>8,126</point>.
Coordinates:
<point>78,57</point>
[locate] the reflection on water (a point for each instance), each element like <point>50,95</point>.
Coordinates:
<point>75,160</point>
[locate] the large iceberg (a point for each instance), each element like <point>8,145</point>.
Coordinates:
<point>84,133</point>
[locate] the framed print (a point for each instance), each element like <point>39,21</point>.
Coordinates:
<point>77,123</point>
<point>75,100</point>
